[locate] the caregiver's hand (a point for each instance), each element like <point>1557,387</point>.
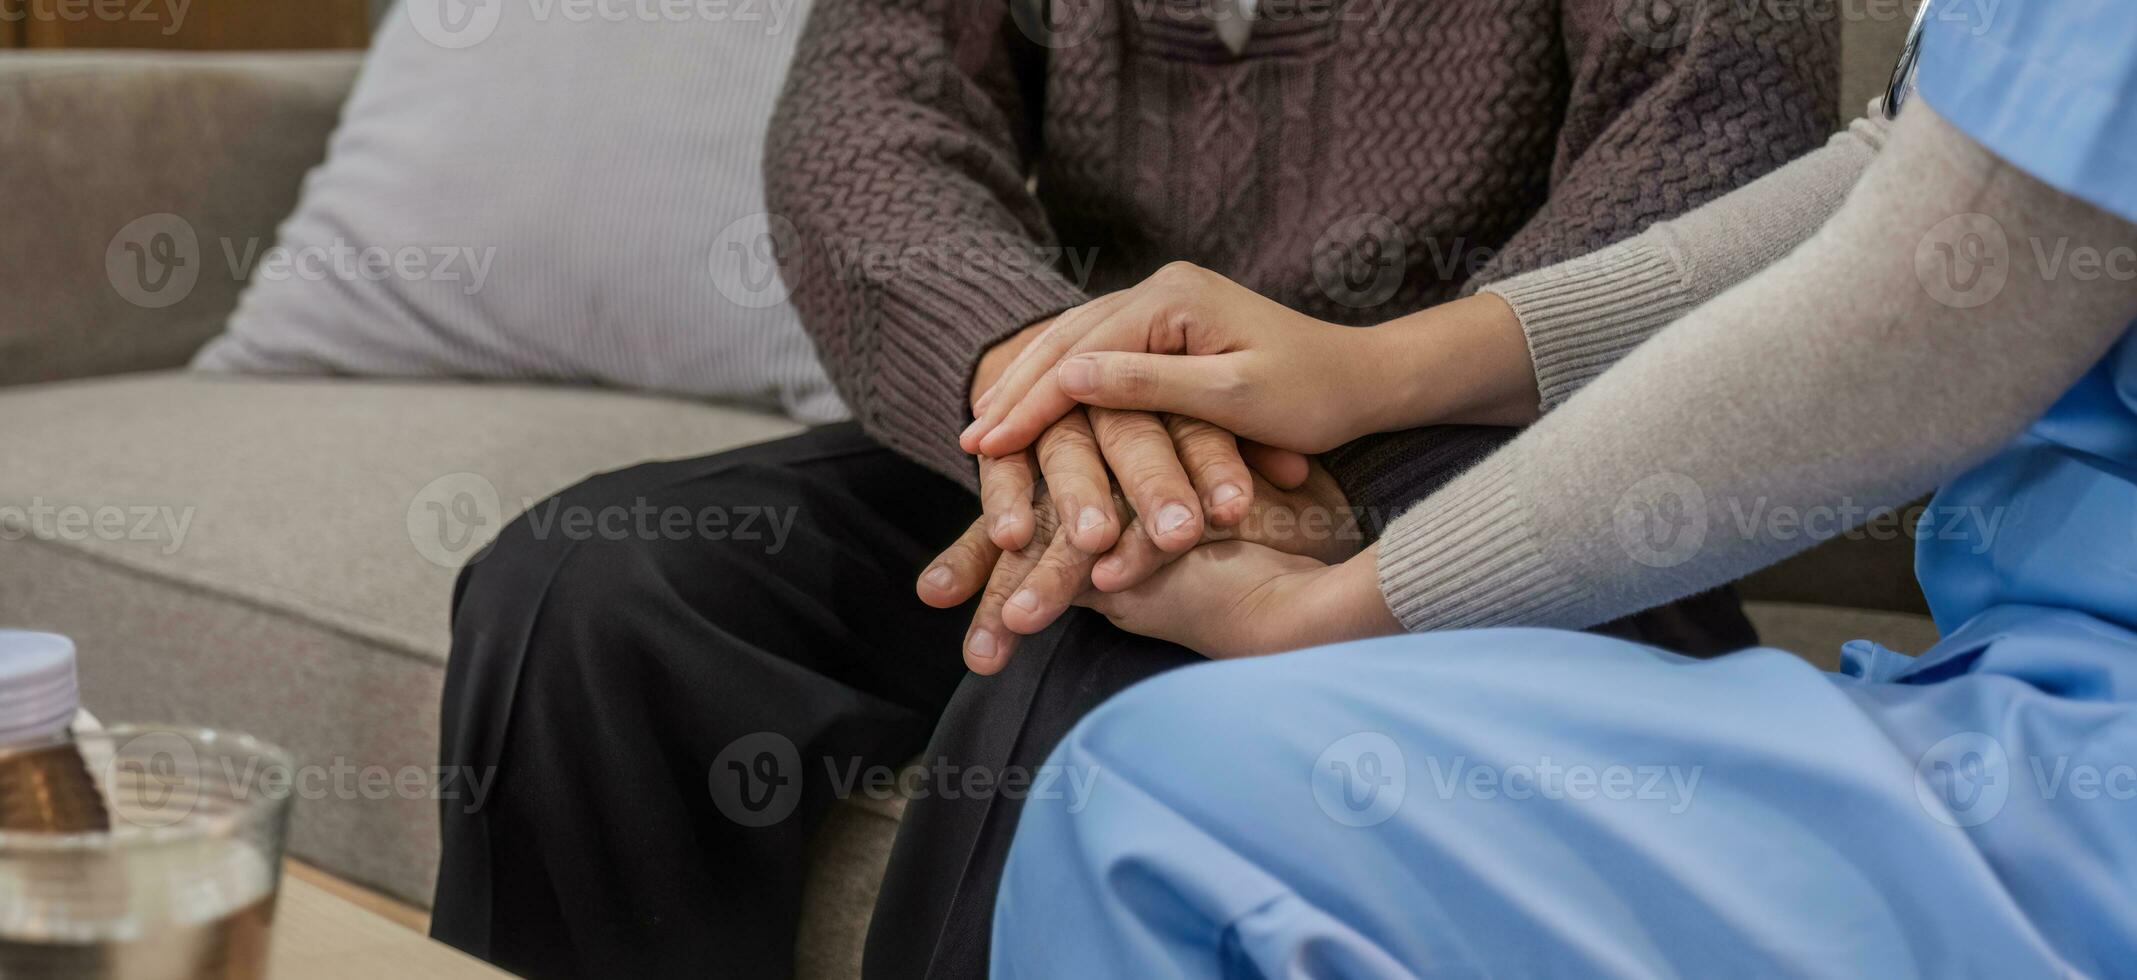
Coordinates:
<point>1262,370</point>
<point>1235,599</point>
<point>1296,375</point>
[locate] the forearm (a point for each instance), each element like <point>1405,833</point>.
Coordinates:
<point>1648,133</point>
<point>1523,345</point>
<point>874,104</point>
<point>1579,317</point>
<point>1833,377</point>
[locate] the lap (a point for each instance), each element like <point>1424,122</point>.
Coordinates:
<point>803,548</point>
<point>1537,801</point>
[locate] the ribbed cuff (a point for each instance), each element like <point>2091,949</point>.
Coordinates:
<point>930,334</point>
<point>1467,557</point>
<point>1383,474</point>
<point>1583,315</point>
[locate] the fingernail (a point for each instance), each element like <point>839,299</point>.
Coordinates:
<point>939,577</point>
<point>1005,523</point>
<point>1091,519</point>
<point>1173,517</point>
<point>984,398</point>
<point>981,645</point>
<point>1223,494</point>
<point>1026,600</point>
<point>1110,566</point>
<point>1079,376</point>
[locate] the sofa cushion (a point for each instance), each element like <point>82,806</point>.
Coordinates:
<point>278,556</point>
<point>516,195</point>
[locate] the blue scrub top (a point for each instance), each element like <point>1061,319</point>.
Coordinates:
<point>2051,519</point>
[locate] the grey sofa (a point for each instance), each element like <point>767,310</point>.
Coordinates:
<point>273,564</point>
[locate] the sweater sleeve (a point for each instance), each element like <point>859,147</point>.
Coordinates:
<point>1832,380</point>
<point>909,240</point>
<point>1669,105</point>
<point>1583,315</point>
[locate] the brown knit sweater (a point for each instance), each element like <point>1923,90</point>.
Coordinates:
<point>949,181</point>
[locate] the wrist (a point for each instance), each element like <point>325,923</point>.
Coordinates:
<point>1352,604</point>
<point>1465,362</point>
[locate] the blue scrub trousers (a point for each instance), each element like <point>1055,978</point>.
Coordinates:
<point>1531,802</point>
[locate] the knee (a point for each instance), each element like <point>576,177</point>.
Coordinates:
<point>579,574</point>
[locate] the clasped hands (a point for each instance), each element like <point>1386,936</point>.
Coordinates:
<point>1170,424</point>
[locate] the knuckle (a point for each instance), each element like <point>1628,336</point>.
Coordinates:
<point>1177,325</point>
<point>997,592</point>
<point>1177,271</point>
<point>1130,377</point>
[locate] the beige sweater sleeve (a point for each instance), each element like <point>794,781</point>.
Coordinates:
<point>1850,372</point>
<point>1583,315</point>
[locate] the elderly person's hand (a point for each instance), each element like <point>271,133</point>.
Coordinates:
<point>1026,589</point>
<point>1182,475</point>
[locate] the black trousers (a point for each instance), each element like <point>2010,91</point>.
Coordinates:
<point>669,688</point>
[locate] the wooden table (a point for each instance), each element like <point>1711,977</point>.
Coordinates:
<point>320,933</point>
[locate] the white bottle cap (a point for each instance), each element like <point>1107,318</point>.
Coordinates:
<point>38,696</point>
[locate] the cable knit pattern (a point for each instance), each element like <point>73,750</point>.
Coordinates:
<point>1359,160</point>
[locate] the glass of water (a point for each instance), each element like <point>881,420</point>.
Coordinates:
<point>182,884</point>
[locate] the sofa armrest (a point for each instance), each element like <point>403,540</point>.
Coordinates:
<point>141,185</point>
